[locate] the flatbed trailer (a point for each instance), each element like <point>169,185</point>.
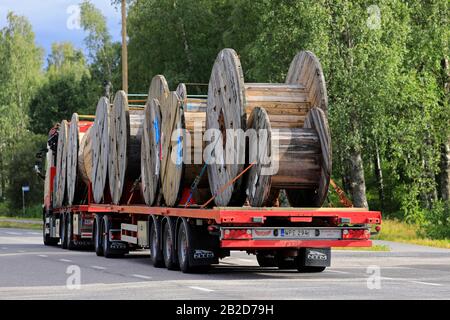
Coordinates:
<point>195,238</point>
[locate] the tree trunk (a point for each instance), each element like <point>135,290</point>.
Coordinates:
<point>445,172</point>
<point>379,176</point>
<point>444,181</point>
<point>357,180</point>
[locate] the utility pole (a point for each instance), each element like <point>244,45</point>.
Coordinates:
<point>124,48</point>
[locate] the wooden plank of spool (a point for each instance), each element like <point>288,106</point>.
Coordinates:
<point>61,164</point>
<point>100,148</point>
<point>230,101</point>
<point>85,156</point>
<point>151,151</point>
<point>125,135</point>
<point>194,123</point>
<point>285,158</point>
<point>317,121</point>
<point>75,185</point>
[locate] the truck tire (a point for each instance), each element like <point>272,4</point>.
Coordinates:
<point>286,263</point>
<point>169,252</point>
<point>107,251</point>
<point>183,246</point>
<point>156,255</point>
<point>98,234</point>
<point>63,232</point>
<point>265,260</point>
<point>304,269</point>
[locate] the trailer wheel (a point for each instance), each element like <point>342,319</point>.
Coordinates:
<point>304,269</point>
<point>169,253</point>
<point>184,247</point>
<point>266,260</point>
<point>155,248</point>
<point>108,252</point>
<point>286,263</point>
<point>63,231</point>
<point>98,234</point>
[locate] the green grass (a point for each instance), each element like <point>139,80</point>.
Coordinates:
<point>20,225</point>
<point>394,230</point>
<point>375,247</point>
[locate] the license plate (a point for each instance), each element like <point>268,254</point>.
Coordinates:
<point>296,233</point>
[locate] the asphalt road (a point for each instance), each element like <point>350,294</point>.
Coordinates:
<point>30,270</point>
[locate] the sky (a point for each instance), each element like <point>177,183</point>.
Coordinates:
<point>56,20</point>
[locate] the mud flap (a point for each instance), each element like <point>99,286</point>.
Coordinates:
<point>315,257</point>
<point>204,248</point>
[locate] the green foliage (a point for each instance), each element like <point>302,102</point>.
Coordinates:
<point>179,39</point>
<point>436,222</point>
<point>104,54</point>
<point>20,170</point>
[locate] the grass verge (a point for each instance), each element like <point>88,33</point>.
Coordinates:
<point>394,230</point>
<point>21,223</point>
<point>375,247</point>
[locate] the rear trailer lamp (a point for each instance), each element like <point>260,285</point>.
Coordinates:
<point>355,234</point>
<point>237,234</point>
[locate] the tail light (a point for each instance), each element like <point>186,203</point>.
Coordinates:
<point>348,234</point>
<point>237,234</point>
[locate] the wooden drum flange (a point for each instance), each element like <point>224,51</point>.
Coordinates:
<point>100,149</point>
<point>294,159</point>
<point>125,136</point>
<point>76,187</point>
<point>61,164</point>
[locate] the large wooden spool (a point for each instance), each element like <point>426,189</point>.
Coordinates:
<point>124,158</point>
<point>85,156</point>
<point>295,159</point>
<point>151,144</point>
<point>100,149</point>
<point>231,100</point>
<point>76,188</point>
<point>194,111</point>
<point>61,164</point>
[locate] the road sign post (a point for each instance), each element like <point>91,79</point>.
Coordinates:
<point>24,189</point>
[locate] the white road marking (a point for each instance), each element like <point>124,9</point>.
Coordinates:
<point>13,233</point>
<point>98,267</point>
<point>338,271</point>
<point>65,260</point>
<point>22,251</point>
<point>201,289</point>
<point>43,255</point>
<point>427,283</point>
<point>4,248</point>
<point>141,276</point>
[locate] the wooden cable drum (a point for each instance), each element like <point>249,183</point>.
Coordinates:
<point>75,186</point>
<point>151,144</point>
<point>100,149</point>
<point>231,100</point>
<point>194,111</point>
<point>295,159</point>
<point>124,158</point>
<point>61,164</point>
<point>85,156</point>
